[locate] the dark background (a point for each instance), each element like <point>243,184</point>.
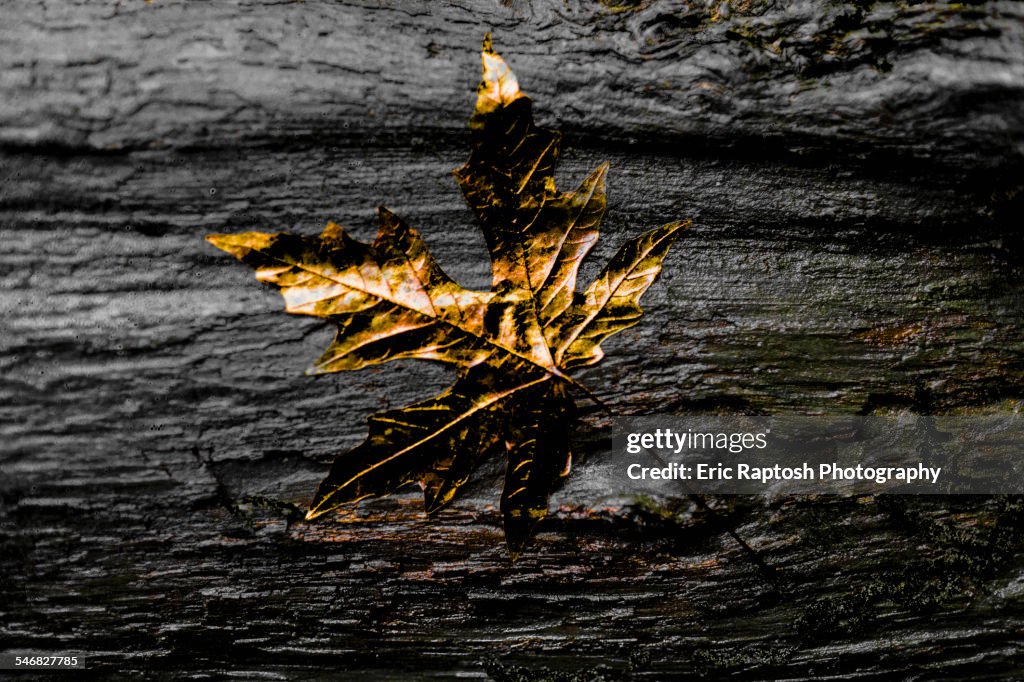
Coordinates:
<point>854,173</point>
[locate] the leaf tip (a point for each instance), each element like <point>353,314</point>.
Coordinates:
<point>674,229</point>
<point>432,505</point>
<point>221,241</point>
<point>333,231</point>
<point>499,86</point>
<point>386,215</point>
<point>515,546</point>
<point>239,245</point>
<point>320,504</point>
<point>519,525</point>
<point>389,226</point>
<point>667,233</point>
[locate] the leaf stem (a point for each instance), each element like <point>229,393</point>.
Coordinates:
<point>586,391</point>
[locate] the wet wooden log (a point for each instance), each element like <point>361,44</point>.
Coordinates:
<point>854,173</point>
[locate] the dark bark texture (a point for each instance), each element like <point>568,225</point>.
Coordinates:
<point>854,172</point>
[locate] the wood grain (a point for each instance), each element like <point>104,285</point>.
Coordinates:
<point>854,173</point>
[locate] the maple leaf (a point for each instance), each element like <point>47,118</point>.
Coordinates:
<point>512,345</point>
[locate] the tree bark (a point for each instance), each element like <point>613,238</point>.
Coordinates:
<point>854,173</point>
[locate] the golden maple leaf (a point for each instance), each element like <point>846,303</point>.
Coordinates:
<point>512,345</point>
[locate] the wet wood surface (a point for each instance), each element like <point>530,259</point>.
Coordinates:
<point>854,174</point>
